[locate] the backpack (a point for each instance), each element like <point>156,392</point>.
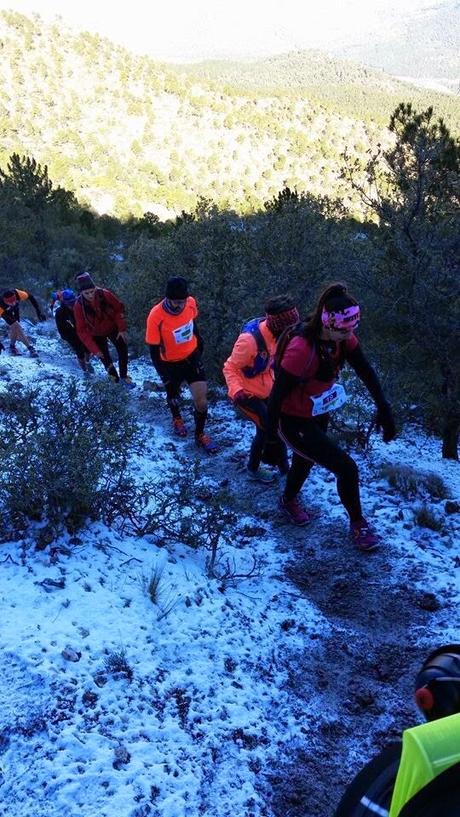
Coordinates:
<point>324,369</point>
<point>261,360</point>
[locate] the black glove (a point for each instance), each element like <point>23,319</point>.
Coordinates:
<point>384,421</point>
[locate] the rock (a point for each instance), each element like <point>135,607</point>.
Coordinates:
<point>89,698</point>
<point>122,757</point>
<point>428,601</point>
<point>452,507</point>
<point>70,654</point>
<point>52,584</point>
<point>149,385</point>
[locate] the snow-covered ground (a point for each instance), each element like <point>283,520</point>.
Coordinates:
<point>254,697</point>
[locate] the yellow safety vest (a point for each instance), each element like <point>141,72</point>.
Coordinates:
<point>428,750</point>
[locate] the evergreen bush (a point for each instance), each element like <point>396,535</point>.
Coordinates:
<point>65,453</point>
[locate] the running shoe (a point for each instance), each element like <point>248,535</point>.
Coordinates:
<point>262,475</point>
<point>363,536</point>
<point>294,511</point>
<point>179,427</point>
<point>204,442</point>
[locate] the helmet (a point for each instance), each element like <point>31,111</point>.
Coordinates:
<point>68,297</point>
<point>437,686</point>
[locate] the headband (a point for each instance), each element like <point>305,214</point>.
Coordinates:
<point>347,318</point>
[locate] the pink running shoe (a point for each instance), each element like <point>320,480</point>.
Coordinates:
<point>363,536</point>
<point>294,511</point>
<point>179,427</point>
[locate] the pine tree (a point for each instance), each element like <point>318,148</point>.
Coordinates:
<point>413,189</point>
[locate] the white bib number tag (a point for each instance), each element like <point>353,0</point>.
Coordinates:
<point>183,333</point>
<point>329,400</point>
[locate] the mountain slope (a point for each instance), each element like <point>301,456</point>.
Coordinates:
<point>128,135</point>
<point>425,45</point>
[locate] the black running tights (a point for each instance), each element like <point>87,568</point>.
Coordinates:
<point>310,444</point>
<point>122,351</point>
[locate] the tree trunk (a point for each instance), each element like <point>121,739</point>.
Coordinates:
<point>450,439</point>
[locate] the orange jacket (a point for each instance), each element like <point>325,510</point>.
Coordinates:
<point>11,313</point>
<point>173,333</point>
<point>243,354</point>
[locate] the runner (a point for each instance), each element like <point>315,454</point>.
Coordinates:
<point>175,348</point>
<point>420,775</point>
<point>100,317</point>
<point>9,311</point>
<point>309,360</point>
<point>65,323</point>
<point>249,376</point>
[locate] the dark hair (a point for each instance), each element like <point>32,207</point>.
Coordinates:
<point>334,297</point>
<point>279,303</point>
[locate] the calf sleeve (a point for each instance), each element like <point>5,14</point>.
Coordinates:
<point>172,399</point>
<point>200,420</point>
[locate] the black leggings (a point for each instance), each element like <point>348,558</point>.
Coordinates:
<point>310,445</point>
<point>122,350</point>
<point>255,408</point>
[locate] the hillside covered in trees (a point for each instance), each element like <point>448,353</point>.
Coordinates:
<point>88,127</point>
<point>128,135</point>
<point>426,46</point>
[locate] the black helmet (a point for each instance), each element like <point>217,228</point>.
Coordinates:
<point>437,686</point>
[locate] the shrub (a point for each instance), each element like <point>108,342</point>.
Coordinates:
<point>426,518</point>
<point>65,453</point>
<point>116,663</point>
<point>410,482</point>
<point>151,583</point>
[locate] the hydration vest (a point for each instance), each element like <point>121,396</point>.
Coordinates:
<point>262,357</point>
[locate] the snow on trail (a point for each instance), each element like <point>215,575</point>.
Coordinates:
<point>256,699</point>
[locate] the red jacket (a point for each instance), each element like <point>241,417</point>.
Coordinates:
<point>106,314</point>
<point>301,359</point>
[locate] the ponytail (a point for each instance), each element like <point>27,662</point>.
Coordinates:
<point>336,297</point>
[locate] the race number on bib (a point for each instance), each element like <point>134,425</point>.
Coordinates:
<point>329,400</point>
<point>183,333</point>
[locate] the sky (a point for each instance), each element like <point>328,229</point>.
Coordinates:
<point>186,30</point>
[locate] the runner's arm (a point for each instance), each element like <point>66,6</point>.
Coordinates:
<point>198,336</point>
<point>366,373</point>
<point>159,365</point>
<point>284,383</point>
<point>33,301</point>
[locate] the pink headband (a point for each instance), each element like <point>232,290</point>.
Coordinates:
<point>347,318</point>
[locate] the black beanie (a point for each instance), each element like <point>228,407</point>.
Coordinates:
<point>84,281</point>
<point>177,289</point>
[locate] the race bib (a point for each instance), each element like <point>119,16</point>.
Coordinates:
<point>183,333</point>
<point>329,400</point>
